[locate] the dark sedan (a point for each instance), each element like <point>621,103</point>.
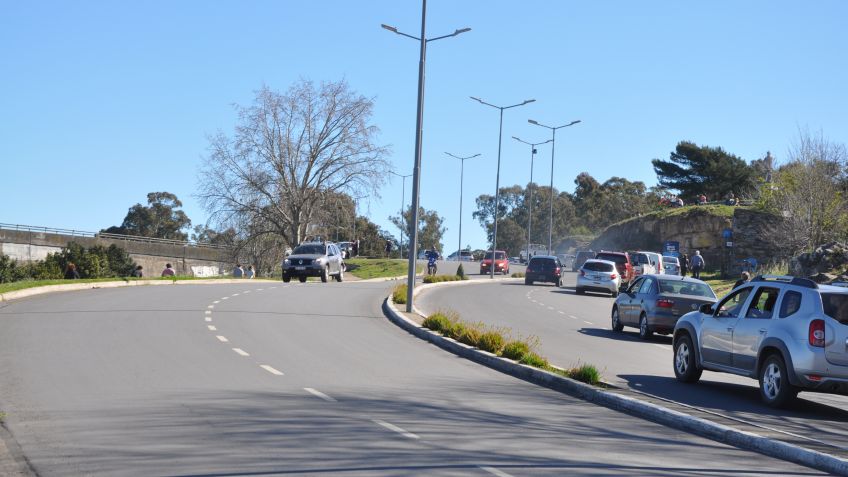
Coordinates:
<point>654,303</point>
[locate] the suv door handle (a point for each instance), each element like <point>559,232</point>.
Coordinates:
<point>763,330</point>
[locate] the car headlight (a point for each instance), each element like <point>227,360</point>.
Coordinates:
<point>286,262</point>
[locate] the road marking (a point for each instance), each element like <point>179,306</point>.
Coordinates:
<point>225,298</point>
<point>270,370</point>
<point>561,312</point>
<point>572,317</point>
<point>318,393</point>
<point>216,301</point>
<point>208,318</point>
<point>272,288</point>
<point>212,328</point>
<point>395,428</point>
<point>241,351</point>
<point>495,471</point>
<point>588,322</point>
<point>550,308</point>
<point>246,292</point>
<point>659,346</point>
<point>210,306</point>
<point>222,339</point>
<point>259,289</point>
<point>235,294</point>
<point>207,312</point>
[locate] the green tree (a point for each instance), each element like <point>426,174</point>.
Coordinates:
<point>694,170</point>
<point>430,229</point>
<point>159,219</point>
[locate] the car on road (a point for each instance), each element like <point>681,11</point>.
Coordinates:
<point>314,259</point>
<point>598,276</point>
<point>788,333</point>
<point>544,268</point>
<point>464,256</point>
<point>622,264</point>
<point>671,265</point>
<point>501,263</point>
<point>654,303</point>
<point>641,264</point>
<point>580,258</point>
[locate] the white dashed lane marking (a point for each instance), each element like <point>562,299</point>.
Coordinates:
<point>561,312</point>
<point>225,298</point>
<point>208,319</point>
<point>319,394</point>
<point>550,308</point>
<point>210,306</point>
<point>207,312</point>
<point>235,294</point>
<point>588,322</point>
<point>259,289</point>
<point>572,317</point>
<point>494,471</point>
<point>271,370</point>
<point>216,301</point>
<point>222,339</point>
<point>241,351</point>
<point>212,328</point>
<point>395,428</point>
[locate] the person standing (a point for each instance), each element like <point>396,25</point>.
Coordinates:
<point>388,247</point>
<point>684,265</point>
<point>743,280</point>
<point>697,264</point>
<point>238,272</point>
<point>168,271</point>
<point>355,247</point>
<point>249,273</point>
<point>71,272</point>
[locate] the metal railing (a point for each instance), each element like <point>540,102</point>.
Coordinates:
<point>127,238</point>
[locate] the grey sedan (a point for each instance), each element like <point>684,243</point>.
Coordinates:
<point>654,303</point>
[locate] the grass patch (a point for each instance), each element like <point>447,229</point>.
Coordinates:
<point>585,373</point>
<point>533,359</point>
<point>366,268</point>
<point>399,294</point>
<point>443,278</point>
<point>517,275</point>
<point>515,350</point>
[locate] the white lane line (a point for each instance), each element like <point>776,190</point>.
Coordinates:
<point>660,346</point>
<point>246,292</point>
<point>572,317</point>
<point>319,394</point>
<point>259,289</point>
<point>561,312</point>
<point>210,306</point>
<point>207,312</point>
<point>395,428</point>
<point>212,328</point>
<point>588,322</point>
<point>550,308</point>
<point>494,471</point>
<point>235,294</point>
<point>271,370</point>
<point>241,351</point>
<point>222,339</point>
<point>273,288</point>
<point>216,301</point>
<point>208,318</point>
<point>225,298</point>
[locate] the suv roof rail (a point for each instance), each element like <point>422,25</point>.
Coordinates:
<point>803,282</point>
<point>839,284</point>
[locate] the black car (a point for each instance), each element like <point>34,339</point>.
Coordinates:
<point>314,259</point>
<point>544,268</point>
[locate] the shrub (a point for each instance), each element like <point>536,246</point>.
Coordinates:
<point>515,350</point>
<point>471,334</point>
<point>438,321</point>
<point>585,373</point>
<point>443,278</point>
<point>491,341</point>
<point>533,359</point>
<point>8,269</point>
<point>399,294</point>
<point>460,272</point>
<point>517,275</point>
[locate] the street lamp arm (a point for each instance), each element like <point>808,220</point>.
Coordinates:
<point>458,31</point>
<point>392,29</point>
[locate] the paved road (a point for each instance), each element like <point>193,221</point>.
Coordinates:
<point>575,329</point>
<point>297,379</point>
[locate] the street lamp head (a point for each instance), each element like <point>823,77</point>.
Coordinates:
<point>389,27</point>
<point>574,122</point>
<point>476,99</point>
<point>461,30</point>
<point>528,101</point>
<point>533,121</point>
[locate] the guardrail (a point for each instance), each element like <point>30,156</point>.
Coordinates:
<point>127,238</point>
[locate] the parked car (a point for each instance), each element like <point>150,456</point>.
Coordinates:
<point>654,303</point>
<point>314,259</point>
<point>641,264</point>
<point>657,262</point>
<point>622,264</point>
<point>346,248</point>
<point>671,265</point>
<point>464,256</point>
<point>598,276</point>
<point>501,263</point>
<point>544,268</point>
<point>788,333</point>
<point>580,258</point>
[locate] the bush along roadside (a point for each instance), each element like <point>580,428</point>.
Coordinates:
<point>443,278</point>
<point>399,294</point>
<point>517,275</point>
<point>497,342</point>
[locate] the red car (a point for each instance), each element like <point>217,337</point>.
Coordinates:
<point>622,264</point>
<point>501,263</point>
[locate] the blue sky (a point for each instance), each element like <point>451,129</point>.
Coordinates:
<point>103,102</point>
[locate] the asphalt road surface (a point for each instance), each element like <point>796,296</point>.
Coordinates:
<point>299,379</point>
<point>575,329</point>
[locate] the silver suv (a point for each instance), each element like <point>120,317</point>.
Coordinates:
<point>789,333</point>
<point>314,259</point>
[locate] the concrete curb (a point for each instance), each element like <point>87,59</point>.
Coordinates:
<point>635,407</point>
<point>27,292</point>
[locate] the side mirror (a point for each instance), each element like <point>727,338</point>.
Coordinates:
<point>706,308</point>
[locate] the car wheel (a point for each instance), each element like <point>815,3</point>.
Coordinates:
<point>616,320</point>
<point>775,388</point>
<point>644,331</point>
<point>685,367</point>
<point>325,274</point>
<point>286,278</point>
<point>340,276</point>
<point>302,279</point>
<point>559,283</point>
<point>579,291</point>
<point>614,294</point>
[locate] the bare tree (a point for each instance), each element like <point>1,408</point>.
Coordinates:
<point>289,154</point>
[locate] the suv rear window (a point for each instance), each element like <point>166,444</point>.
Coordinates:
<point>639,258</point>
<point>598,267</point>
<point>612,257</point>
<point>681,287</point>
<point>836,306</point>
<point>542,263</point>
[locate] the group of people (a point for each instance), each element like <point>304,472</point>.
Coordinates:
<point>695,264</point>
<point>239,272</point>
<point>676,201</point>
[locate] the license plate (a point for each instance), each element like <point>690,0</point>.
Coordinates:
<point>300,268</point>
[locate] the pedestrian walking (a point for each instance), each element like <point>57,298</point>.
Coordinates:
<point>697,264</point>
<point>355,247</point>
<point>743,280</point>
<point>684,265</point>
<point>388,247</point>
<point>249,273</point>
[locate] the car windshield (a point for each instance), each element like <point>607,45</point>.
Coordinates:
<point>682,287</point>
<point>500,255</point>
<point>598,267</point>
<point>310,249</point>
<point>612,257</point>
<point>836,306</point>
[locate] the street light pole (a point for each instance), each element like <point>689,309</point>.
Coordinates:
<point>419,124</point>
<point>461,176</point>
<point>498,176</point>
<point>530,186</point>
<point>553,145</point>
<point>402,197</point>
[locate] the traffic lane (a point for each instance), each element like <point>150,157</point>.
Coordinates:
<point>411,408</point>
<point>574,329</point>
<point>472,269</point>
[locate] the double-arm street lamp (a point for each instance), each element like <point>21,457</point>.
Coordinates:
<point>498,176</point>
<point>553,145</point>
<point>402,197</point>
<point>530,186</point>
<point>419,124</point>
<point>461,174</point>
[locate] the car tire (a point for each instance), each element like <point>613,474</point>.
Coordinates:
<point>614,294</point>
<point>340,276</point>
<point>579,291</point>
<point>645,332</point>
<point>302,279</point>
<point>685,365</point>
<point>559,283</point>
<point>286,278</point>
<point>325,274</point>
<point>615,320</point>
<point>775,388</point>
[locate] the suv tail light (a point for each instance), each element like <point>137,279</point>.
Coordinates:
<point>817,333</point>
<point>582,273</point>
<point>665,303</point>
<point>557,270</point>
<point>612,276</point>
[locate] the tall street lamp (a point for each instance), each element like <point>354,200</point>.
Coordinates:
<point>419,124</point>
<point>402,197</point>
<point>498,175</point>
<point>355,207</point>
<point>553,145</point>
<point>461,174</point>
<point>530,186</point>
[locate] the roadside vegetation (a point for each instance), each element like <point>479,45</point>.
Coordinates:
<point>366,268</point>
<point>517,275</point>
<point>444,278</point>
<point>25,284</point>
<point>399,294</point>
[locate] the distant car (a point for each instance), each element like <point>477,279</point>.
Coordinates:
<point>346,248</point>
<point>654,303</point>
<point>544,268</point>
<point>622,264</point>
<point>515,260</point>
<point>657,261</point>
<point>580,258</point>
<point>671,265</point>
<point>464,256</point>
<point>501,263</point>
<point>598,276</point>
<point>642,264</point>
<point>314,259</point>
